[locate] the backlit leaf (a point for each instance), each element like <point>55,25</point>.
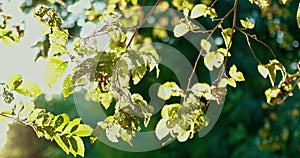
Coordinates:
<point>261,3</point>
<point>70,126</point>
<point>54,70</point>
<point>198,10</point>
<point>83,131</point>
<point>68,86</point>
<point>247,23</point>
<point>161,129</point>
<point>181,29</point>
<point>14,81</point>
<point>63,143</point>
<point>272,93</point>
<point>236,75</point>
<point>79,146</point>
<point>213,59</point>
<point>227,35</point>
<point>223,82</point>
<point>28,88</point>
<point>231,82</point>
<point>205,45</point>
<point>263,70</point>
<point>169,89</point>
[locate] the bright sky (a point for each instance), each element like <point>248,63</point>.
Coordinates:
<point>18,59</point>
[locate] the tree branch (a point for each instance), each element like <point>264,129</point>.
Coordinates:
<point>142,23</point>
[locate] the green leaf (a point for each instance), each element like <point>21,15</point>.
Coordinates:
<point>298,15</point>
<point>68,87</point>
<point>181,29</point>
<point>169,89</point>
<point>54,70</point>
<point>236,75</point>
<point>227,35</point>
<point>205,45</point>
<point>83,131</point>
<point>247,24</point>
<point>198,10</point>
<point>213,59</point>
<point>28,88</point>
<point>14,82</point>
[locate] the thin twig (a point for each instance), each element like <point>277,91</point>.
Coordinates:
<point>142,23</point>
<point>230,42</point>
<point>249,45</point>
<point>261,42</point>
<point>200,53</point>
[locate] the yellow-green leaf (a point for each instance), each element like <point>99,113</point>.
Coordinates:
<point>54,70</point>
<point>83,131</point>
<point>205,45</point>
<point>198,10</point>
<point>236,75</point>
<point>231,82</point>
<point>211,12</point>
<point>272,93</point>
<point>70,125</point>
<point>28,88</point>
<point>169,89</point>
<point>247,23</point>
<point>261,3</point>
<point>63,143</point>
<point>213,59</point>
<point>181,29</point>
<point>227,35</point>
<point>68,86</point>
<point>284,1</point>
<point>224,51</point>
<point>77,146</point>
<point>14,82</point>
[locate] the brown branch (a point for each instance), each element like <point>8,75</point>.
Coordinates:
<point>142,23</point>
<point>211,33</point>
<point>249,45</point>
<point>259,41</point>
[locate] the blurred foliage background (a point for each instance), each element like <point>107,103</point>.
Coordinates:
<point>247,127</point>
